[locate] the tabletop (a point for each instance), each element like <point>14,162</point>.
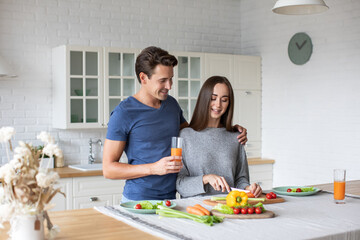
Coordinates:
<point>91,224</point>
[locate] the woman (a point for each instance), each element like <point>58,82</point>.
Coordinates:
<point>213,160</point>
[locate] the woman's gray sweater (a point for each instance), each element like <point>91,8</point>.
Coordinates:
<point>211,151</point>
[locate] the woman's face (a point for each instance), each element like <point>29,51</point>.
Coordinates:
<point>219,101</point>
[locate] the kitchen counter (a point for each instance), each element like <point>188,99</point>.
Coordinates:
<point>91,224</point>
<point>67,172</point>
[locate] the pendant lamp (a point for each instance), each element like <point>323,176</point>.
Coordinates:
<point>299,7</point>
<point>5,69</point>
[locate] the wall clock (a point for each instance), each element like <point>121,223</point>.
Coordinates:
<point>300,48</point>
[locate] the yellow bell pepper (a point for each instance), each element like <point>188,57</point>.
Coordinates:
<point>236,198</point>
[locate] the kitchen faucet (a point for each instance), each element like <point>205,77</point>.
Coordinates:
<point>91,158</point>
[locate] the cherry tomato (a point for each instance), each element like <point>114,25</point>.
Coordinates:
<point>298,190</point>
<point>289,190</point>
<point>236,210</point>
<point>250,210</point>
<point>273,195</point>
<point>258,210</point>
<point>137,206</point>
<point>244,211</point>
<point>168,203</point>
<point>268,196</point>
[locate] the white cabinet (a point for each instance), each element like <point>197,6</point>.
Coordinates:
<point>77,87</point>
<point>88,82</point>
<point>87,192</point>
<point>247,73</point>
<point>262,174</point>
<point>219,65</point>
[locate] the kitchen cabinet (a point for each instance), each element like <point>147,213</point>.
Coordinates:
<point>89,82</point>
<point>87,192</point>
<point>188,79</point>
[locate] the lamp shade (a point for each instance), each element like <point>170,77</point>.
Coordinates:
<point>299,7</point>
<point>5,69</point>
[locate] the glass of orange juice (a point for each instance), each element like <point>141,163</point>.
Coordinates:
<point>176,146</point>
<point>339,185</point>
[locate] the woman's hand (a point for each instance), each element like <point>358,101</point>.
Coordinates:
<point>254,189</point>
<point>242,137</point>
<point>217,182</point>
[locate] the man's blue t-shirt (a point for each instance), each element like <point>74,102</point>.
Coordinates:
<point>147,132</point>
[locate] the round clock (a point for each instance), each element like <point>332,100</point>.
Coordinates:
<point>300,48</point>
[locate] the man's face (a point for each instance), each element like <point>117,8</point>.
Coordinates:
<point>160,82</point>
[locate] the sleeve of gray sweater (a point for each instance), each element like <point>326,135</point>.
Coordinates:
<point>242,178</point>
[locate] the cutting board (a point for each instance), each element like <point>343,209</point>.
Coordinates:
<point>267,201</point>
<point>267,214</point>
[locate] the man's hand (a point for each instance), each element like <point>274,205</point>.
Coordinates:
<point>242,138</point>
<point>255,189</point>
<point>171,164</point>
<point>217,182</point>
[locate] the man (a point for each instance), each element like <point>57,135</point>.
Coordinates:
<point>142,126</point>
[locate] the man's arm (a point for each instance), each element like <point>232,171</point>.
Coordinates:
<point>114,169</point>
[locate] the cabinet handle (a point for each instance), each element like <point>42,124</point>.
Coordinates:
<point>94,199</point>
<point>247,93</point>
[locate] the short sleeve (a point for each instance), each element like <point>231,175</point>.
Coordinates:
<point>118,127</point>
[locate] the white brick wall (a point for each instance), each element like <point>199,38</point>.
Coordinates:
<point>311,113</point>
<point>29,29</point>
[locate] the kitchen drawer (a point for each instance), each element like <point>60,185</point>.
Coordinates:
<point>92,201</point>
<point>88,186</point>
<point>63,202</point>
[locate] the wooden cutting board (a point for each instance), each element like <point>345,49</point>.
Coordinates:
<point>267,214</point>
<point>267,201</point>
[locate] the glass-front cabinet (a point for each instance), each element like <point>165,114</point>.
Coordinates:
<point>188,78</point>
<point>120,77</point>
<point>77,87</point>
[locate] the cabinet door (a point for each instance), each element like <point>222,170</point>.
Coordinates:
<point>63,202</point>
<point>92,201</point>
<point>247,112</point>
<point>188,78</point>
<point>120,77</point>
<point>247,72</point>
<point>219,65</point>
<point>86,85</point>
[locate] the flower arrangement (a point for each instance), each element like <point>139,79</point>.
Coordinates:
<point>28,187</point>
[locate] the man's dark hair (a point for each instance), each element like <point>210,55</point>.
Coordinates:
<point>149,58</point>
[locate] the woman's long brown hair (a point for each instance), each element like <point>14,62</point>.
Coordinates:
<point>201,115</point>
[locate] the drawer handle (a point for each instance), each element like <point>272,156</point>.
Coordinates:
<point>94,199</point>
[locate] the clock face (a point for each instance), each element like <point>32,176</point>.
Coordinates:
<point>300,48</point>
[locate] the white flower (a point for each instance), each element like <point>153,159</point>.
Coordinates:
<point>22,151</point>
<point>16,164</point>
<point>45,137</point>
<point>6,211</point>
<point>7,172</point>
<point>6,133</point>
<point>45,180</point>
<point>51,150</point>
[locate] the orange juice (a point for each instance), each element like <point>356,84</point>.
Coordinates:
<point>176,152</point>
<point>339,190</point>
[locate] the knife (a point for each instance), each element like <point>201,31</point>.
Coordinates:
<point>240,190</point>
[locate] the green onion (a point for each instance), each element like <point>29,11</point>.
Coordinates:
<point>168,212</point>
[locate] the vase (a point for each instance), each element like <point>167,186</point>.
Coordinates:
<point>30,227</point>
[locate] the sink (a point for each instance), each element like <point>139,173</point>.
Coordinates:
<point>87,167</point>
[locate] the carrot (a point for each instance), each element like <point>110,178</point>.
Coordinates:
<point>194,210</point>
<point>250,195</point>
<point>204,210</point>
